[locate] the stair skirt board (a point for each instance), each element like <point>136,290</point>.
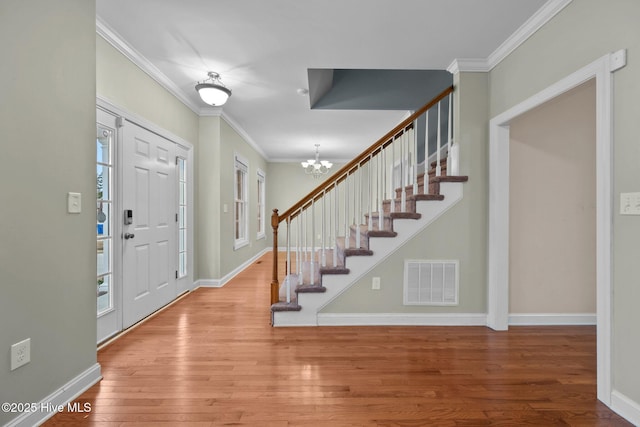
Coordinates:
<point>382,248</point>
<point>552,319</point>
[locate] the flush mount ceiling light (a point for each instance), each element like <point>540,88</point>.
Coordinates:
<point>316,167</point>
<point>212,91</point>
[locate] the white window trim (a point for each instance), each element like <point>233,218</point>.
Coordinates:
<point>262,227</point>
<point>242,164</point>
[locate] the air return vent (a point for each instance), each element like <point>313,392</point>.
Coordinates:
<point>430,282</point>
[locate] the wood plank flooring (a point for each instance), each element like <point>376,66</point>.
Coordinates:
<point>212,359</point>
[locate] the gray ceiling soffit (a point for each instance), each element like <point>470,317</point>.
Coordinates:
<point>356,89</point>
<point>320,83</point>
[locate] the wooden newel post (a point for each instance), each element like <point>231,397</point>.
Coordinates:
<point>275,285</point>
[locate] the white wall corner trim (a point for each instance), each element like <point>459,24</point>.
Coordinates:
<point>550,9</point>
<point>551,319</point>
<point>61,397</point>
<point>218,283</point>
<point>115,40</point>
<point>498,251</point>
<point>402,319</point>
<point>625,407</point>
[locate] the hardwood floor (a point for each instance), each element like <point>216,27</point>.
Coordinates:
<point>212,359</point>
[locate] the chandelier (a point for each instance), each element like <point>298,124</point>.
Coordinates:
<point>212,91</point>
<point>316,167</point>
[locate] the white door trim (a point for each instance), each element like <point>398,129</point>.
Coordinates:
<point>498,260</point>
<point>112,108</point>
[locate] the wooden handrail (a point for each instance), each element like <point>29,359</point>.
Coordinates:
<point>363,158</point>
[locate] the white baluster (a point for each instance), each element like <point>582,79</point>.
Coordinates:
<point>403,184</point>
<point>371,193</point>
<point>322,232</point>
<point>414,162</point>
<point>357,204</point>
<point>299,248</point>
<point>438,171</point>
<point>380,172</point>
<point>336,225</point>
<point>347,234</point>
<point>425,188</point>
<point>392,190</point>
<point>454,148</point>
<point>313,243</point>
<point>288,270</point>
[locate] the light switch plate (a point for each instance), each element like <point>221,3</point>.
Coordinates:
<point>629,203</point>
<point>74,202</point>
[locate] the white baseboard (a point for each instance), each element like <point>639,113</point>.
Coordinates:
<point>402,319</point>
<point>218,283</point>
<point>552,319</point>
<point>625,407</point>
<point>207,283</point>
<point>61,397</point>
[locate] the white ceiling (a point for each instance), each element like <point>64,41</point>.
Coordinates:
<point>263,48</point>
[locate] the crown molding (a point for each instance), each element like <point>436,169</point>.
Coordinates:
<point>210,112</point>
<point>115,40</point>
<point>550,9</point>
<point>469,65</point>
<point>236,127</point>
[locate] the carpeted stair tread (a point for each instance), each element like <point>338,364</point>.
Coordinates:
<point>405,215</point>
<point>310,289</point>
<point>332,270</point>
<point>381,233</point>
<point>286,306</point>
<point>365,232</point>
<point>458,178</point>
<point>423,197</point>
<point>357,252</point>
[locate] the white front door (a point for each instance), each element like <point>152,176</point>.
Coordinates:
<point>148,216</point>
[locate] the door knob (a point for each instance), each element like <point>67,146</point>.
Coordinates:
<point>128,236</point>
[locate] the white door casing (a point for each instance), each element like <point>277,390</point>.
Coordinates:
<point>498,260</point>
<point>149,243</point>
<point>110,316</point>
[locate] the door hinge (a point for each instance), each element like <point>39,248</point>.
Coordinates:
<point>176,274</point>
<point>120,121</point>
<point>176,217</point>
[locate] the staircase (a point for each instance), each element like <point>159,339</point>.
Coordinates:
<point>364,213</point>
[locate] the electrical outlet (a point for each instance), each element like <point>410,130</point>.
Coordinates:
<point>375,283</point>
<point>20,353</point>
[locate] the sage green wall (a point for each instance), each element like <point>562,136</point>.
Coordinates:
<point>47,256</point>
<point>287,184</point>
<point>124,84</point>
<point>459,234</point>
<point>582,33</point>
<point>231,143</point>
<point>209,209</point>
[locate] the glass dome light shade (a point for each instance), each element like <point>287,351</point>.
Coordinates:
<point>213,94</point>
